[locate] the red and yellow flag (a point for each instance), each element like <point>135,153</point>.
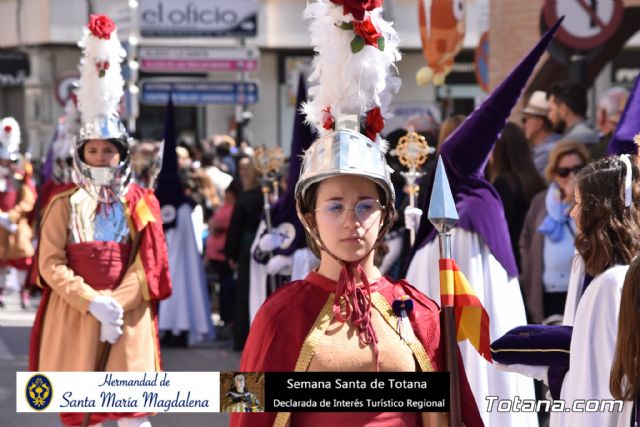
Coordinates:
<point>143,212</point>
<point>472,320</point>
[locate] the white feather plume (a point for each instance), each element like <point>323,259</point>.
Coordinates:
<point>100,96</point>
<point>347,82</point>
<point>10,135</point>
<point>68,127</point>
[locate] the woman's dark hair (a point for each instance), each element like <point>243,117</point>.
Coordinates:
<point>513,161</point>
<point>234,187</point>
<point>573,94</point>
<point>624,381</point>
<point>608,231</point>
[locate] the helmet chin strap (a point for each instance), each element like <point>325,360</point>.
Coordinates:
<point>356,299</point>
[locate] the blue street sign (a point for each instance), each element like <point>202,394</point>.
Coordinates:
<point>197,92</point>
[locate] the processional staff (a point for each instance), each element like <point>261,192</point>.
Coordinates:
<point>412,152</point>
<point>268,161</point>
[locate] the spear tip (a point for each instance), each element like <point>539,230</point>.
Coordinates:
<point>442,208</point>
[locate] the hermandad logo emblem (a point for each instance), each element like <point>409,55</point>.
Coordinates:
<point>39,392</point>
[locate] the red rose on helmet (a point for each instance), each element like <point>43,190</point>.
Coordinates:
<point>327,119</point>
<point>101,26</point>
<point>367,31</point>
<point>374,123</point>
<point>357,7</point>
<point>7,128</point>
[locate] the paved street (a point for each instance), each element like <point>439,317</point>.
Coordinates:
<point>15,326</point>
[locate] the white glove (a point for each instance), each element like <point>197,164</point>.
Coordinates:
<point>110,332</point>
<point>6,223</point>
<point>270,241</point>
<point>107,310</point>
<point>412,218</point>
<point>278,263</point>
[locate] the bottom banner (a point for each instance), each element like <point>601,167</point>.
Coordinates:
<point>357,391</point>
<point>145,392</point>
<point>117,392</point>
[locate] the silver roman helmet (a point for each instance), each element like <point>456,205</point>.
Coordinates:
<point>99,93</point>
<point>345,152</point>
<point>353,79</point>
<point>95,179</point>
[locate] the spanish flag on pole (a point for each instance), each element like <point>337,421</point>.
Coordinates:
<point>472,320</point>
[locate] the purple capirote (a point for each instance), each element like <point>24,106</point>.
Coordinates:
<point>465,154</point>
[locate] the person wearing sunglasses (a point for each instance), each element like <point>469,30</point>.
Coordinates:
<point>546,241</point>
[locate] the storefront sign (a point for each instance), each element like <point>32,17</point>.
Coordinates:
<point>198,18</point>
<point>183,59</point>
<point>155,91</point>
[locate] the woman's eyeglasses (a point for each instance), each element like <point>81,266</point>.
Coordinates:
<point>564,172</point>
<point>336,211</point>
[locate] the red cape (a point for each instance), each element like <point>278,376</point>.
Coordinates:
<point>283,322</point>
<point>49,189</point>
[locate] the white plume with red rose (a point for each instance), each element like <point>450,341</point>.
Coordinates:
<point>101,85</point>
<point>352,67</point>
<point>10,135</point>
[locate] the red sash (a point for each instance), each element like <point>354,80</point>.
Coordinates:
<point>8,200</point>
<point>102,265</point>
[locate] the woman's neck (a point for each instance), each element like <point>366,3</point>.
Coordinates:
<point>331,268</point>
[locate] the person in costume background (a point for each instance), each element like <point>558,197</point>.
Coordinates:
<point>283,253</point>
<point>341,316</point>
<point>480,241</point>
<point>185,318</point>
<point>608,239</point>
<point>624,381</point>
<point>17,202</point>
<point>102,258</point>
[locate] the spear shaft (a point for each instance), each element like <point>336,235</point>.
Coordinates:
<point>443,215</point>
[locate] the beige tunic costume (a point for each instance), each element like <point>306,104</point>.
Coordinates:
<point>18,244</point>
<point>70,335</point>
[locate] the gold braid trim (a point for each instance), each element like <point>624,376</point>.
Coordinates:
<point>309,349</point>
<point>382,305</point>
<point>527,350</point>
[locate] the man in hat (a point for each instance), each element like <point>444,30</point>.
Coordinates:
<point>538,129</point>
